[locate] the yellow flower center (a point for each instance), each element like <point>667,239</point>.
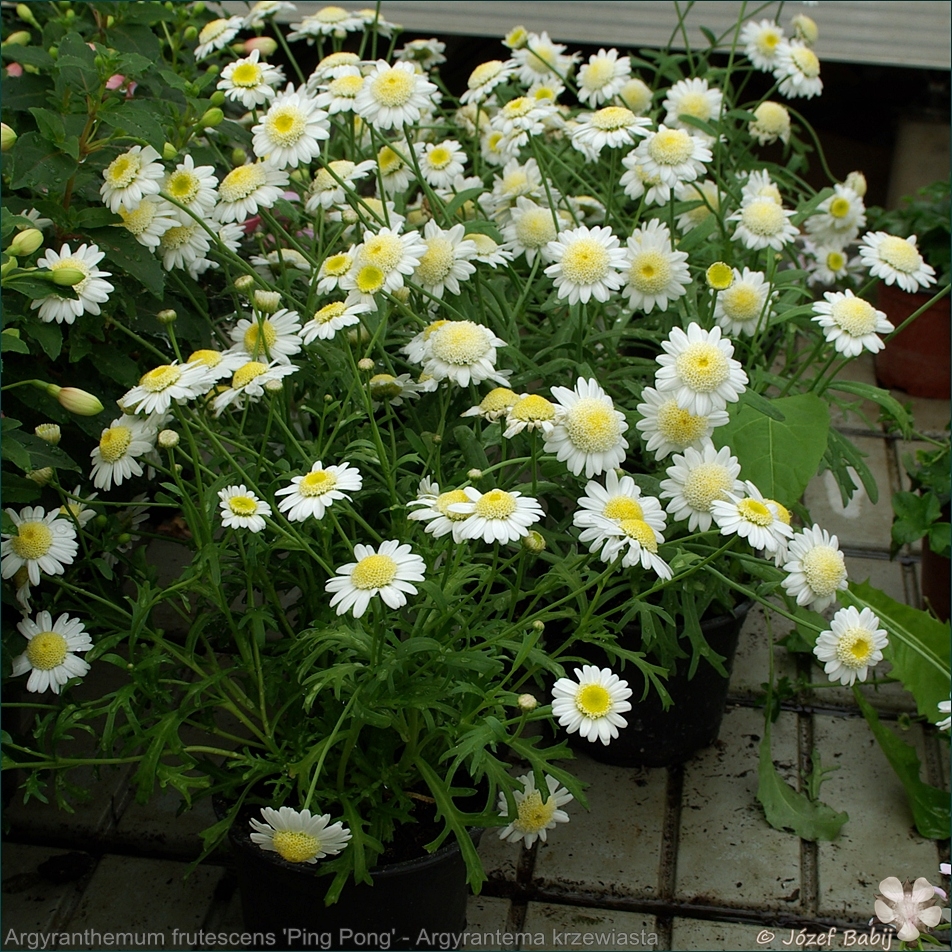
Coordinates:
<point>835,261</point>
<point>496,504</point>
<point>436,262</point>
<point>337,265</point>
<point>824,569</point>
<point>329,311</point>
<point>440,157</point>
<point>856,316</point>
<point>46,651</point>
<point>460,343</point>
<point>720,276</point>
<point>33,540</point>
<point>678,426</point>
<point>694,104</point>
<point>114,443</point>
<point>161,378</point>
<point>183,185</point>
<point>900,254</point>
<point>346,87</point>
<point>123,170</point>
<point>754,511</point>
<point>641,532</point>
<point>370,279</point>
<point>241,182</point>
<point>585,261</point>
<point>535,228</point>
<point>772,118</point>
<point>741,302</point>
<point>373,571</point>
<point>393,88</point>
<point>296,847</point>
<point>621,508</point>
<point>703,367</point>
<point>840,207</point>
<point>383,252</point>
<point>178,236</point>
<point>452,498</point>
<point>331,14</point>
<point>855,648</point>
<point>805,61</point>
<point>242,505</point>
<point>533,408</point>
<point>768,41</point>
<point>483,73</point>
<point>534,813</point>
<point>671,147</point>
<point>650,271</point>
<point>389,161</point>
<point>212,31</point>
<point>704,484</point>
<point>518,107</point>
<point>285,125</point>
<point>595,75</point>
<point>317,483</point>
<point>385,386</point>
<point>260,338</point>
<point>137,221</point>
<point>500,398</point>
<point>636,96</point>
<point>210,358</point>
<point>333,60</point>
<point>246,373</point>
<point>246,75</point>
<point>593,701</point>
<point>613,117</point>
<point>783,513</point>
<point>763,217</point>
<point>591,426</point>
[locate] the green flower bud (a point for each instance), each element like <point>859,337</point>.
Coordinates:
<point>190,34</point>
<point>212,118</point>
<point>20,38</point>
<point>49,433</point>
<point>217,98</point>
<point>123,538</point>
<point>75,400</point>
<point>527,702</point>
<point>244,283</point>
<point>168,439</point>
<point>167,316</point>
<point>7,137</point>
<point>25,242</point>
<point>42,476</point>
<point>213,70</point>
<point>169,152</point>
<point>198,8</point>
<point>110,20</point>
<point>101,521</point>
<point>238,156</point>
<point>67,277</point>
<point>26,15</point>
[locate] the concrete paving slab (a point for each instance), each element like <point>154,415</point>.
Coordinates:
<point>752,662</point>
<point>727,852</point>
<point>486,916</point>
<point>698,934</point>
<point>159,827</point>
<point>552,926</point>
<point>615,849</point>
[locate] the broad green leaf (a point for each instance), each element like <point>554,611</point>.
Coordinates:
<point>787,809</point>
<point>48,336</point>
<point>918,647</point>
<point>878,396</point>
<point>39,164</point>
<point>12,342</point>
<point>779,457</point>
<point>136,119</point>
<point>44,454</point>
<point>930,806</point>
<point>131,257</point>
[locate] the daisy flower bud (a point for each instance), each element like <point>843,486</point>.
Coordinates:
<point>527,703</point>
<point>20,38</point>
<point>75,400</point>
<point>244,283</point>
<point>168,439</point>
<point>538,624</point>
<point>475,474</point>
<point>267,301</point>
<point>265,45</point>
<point>516,38</point>
<point>167,316</point>
<point>365,364</point>
<point>805,28</point>
<point>7,137</point>
<point>67,277</point>
<point>212,117</point>
<point>49,433</point>
<point>25,242</point>
<point>42,476</point>
<point>26,15</point>
<point>533,541</point>
<point>857,182</point>
<point>169,152</point>
<point>273,386</point>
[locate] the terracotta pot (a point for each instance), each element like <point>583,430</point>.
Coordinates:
<point>917,359</point>
<point>935,572</point>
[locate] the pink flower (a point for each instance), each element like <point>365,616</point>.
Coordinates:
<point>14,69</point>
<point>118,81</point>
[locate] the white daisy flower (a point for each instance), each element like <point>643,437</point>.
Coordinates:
<point>771,122</point>
<point>312,494</point>
<point>530,230</point>
<point>218,364</point>
<point>393,96</point>
<point>249,382</point>
<point>618,501</point>
<point>130,177</point>
<point>837,220</point>
<point>673,156</point>
<point>485,78</point>
<point>160,386</point>
<point>440,163</point>
<point>535,816</point>
<point>762,41</point>
<point>192,186</point>
<point>816,569</point>
<point>612,126</point>
<point>435,510</point>
<point>249,81</point>
<point>487,251</point>
<point>495,405</point>
<point>395,390</point>
<point>497,149</point>
<point>333,269</point>
<point>76,510</point>
<point>697,479</point>
<point>760,185</point>
<point>531,412</point>
<point>446,260</point>
<point>269,337</point>
<point>395,171</point>
<point>264,9</point>
<point>588,434</point>
<point>333,61</point>
<point>247,188</point>
<point>654,274</point>
<point>691,97</point>
<point>462,351</point>
<point>738,309</point>
<point>540,57</point>
<point>381,263</point>
<point>895,260</point>
<point>753,518</point>
<point>116,458</point>
<point>297,836</point>
<point>339,93</point>
<point>331,318</point>
<point>592,705</point>
<point>851,324</point>
<point>328,21</point>
<point>92,291</point>
<point>636,95</point>
<point>669,429</point>
<point>636,539</point>
<point>520,118</point>
<point>416,349</point>
<point>425,53</point>
<point>603,77</point>
<point>797,69</point>
<point>587,263</point>
<point>42,543</point>
<point>281,259</point>
<point>830,264</point>
<point>50,654</point>
<point>332,184</point>
<point>290,132</point>
<point>389,572</point>
<point>636,182</point>
<point>496,516</point>
<point>216,34</point>
<point>150,220</point>
<point>517,180</point>
<point>945,707</point>
<point>242,509</point>
<point>762,223</point>
<point>853,644</point>
<point>183,245</point>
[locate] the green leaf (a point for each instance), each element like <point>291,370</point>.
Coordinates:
<point>136,119</point>
<point>915,515</point>
<point>779,457</point>
<point>787,809</point>
<point>459,200</point>
<point>39,164</point>
<point>48,336</point>
<point>26,282</point>
<point>50,124</point>
<point>918,647</point>
<point>473,451</point>
<point>930,806</point>
<point>10,342</point>
<point>27,56</point>
<point>44,454</point>
<point>878,396</point>
<point>127,254</point>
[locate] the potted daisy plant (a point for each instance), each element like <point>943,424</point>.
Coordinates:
<point>439,395</point>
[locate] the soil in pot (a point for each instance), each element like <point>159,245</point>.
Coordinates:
<point>658,738</point>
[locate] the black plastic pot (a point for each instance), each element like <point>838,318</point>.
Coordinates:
<point>283,903</point>
<point>658,738</point>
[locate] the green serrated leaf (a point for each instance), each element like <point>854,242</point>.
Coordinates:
<point>878,396</point>
<point>39,164</point>
<point>127,254</point>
